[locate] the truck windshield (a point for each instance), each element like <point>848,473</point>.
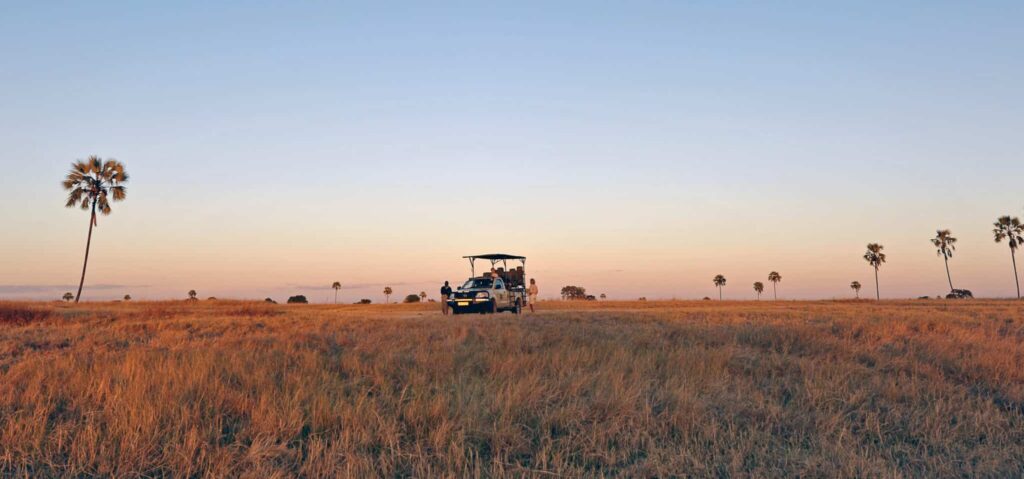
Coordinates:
<point>477,283</point>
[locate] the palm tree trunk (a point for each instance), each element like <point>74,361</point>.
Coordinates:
<point>775,291</point>
<point>878,294</point>
<point>950,278</point>
<point>88,243</point>
<point>720,293</point>
<point>335,296</point>
<point>1015,279</point>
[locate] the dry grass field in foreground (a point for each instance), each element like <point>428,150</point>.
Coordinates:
<point>820,389</point>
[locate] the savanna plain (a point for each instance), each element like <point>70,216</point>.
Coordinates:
<point>615,389</point>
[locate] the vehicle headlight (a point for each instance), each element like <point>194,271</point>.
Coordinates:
<point>483,295</point>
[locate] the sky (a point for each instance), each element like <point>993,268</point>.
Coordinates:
<point>632,148</point>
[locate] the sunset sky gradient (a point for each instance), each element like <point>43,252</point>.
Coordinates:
<point>632,148</point>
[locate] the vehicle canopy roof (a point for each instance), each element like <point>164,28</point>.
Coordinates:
<point>493,258</point>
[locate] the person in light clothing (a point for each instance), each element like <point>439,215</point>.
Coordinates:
<point>533,291</point>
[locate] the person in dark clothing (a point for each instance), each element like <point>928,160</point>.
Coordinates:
<point>446,292</point>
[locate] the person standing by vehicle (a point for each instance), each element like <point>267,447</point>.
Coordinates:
<point>446,292</point>
<point>533,291</point>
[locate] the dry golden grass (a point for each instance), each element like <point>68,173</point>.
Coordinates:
<point>821,389</point>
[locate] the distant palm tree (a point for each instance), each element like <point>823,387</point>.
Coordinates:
<point>875,257</point>
<point>68,296</point>
<point>127,297</point>
<point>758,288</point>
<point>336,286</point>
<point>775,277</point>
<point>192,295</point>
<point>945,244</point>
<point>423,295</point>
<point>1007,228</point>
<point>604,296</point>
<point>855,286</point>
<point>92,184</point>
<point>719,281</point>
<point>387,294</point>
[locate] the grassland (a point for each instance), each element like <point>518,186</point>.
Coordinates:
<point>818,389</point>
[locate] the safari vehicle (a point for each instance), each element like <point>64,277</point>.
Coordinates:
<point>501,289</point>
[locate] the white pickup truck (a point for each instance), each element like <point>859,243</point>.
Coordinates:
<point>500,290</point>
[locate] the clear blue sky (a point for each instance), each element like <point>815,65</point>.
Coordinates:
<point>275,147</point>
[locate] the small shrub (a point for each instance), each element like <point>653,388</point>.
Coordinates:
<point>299,299</point>
<point>364,301</point>
<point>412,298</point>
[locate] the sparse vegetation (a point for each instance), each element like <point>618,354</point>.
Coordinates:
<point>945,245</point>
<point>719,281</point>
<point>1012,231</point>
<point>641,389</point>
<point>298,299</point>
<point>68,297</point>
<point>855,286</point>
<point>192,295</point>
<point>92,185</point>
<point>775,278</point>
<point>875,257</point>
<point>412,298</point>
<point>574,293</point>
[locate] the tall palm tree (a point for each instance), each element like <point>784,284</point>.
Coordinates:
<point>945,244</point>
<point>1007,228</point>
<point>336,286</point>
<point>387,294</point>
<point>719,281</point>
<point>875,257</point>
<point>758,288</point>
<point>92,185</point>
<point>192,295</point>
<point>423,295</point>
<point>604,296</point>
<point>775,277</point>
<point>855,286</point>
<point>68,296</point>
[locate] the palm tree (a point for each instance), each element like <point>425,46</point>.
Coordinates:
<point>945,244</point>
<point>68,296</point>
<point>775,277</point>
<point>92,184</point>
<point>387,294</point>
<point>758,288</point>
<point>192,295</point>
<point>875,257</point>
<point>127,297</point>
<point>336,286</point>
<point>604,296</point>
<point>855,286</point>
<point>1007,228</point>
<point>719,281</point>
<point>423,295</point>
